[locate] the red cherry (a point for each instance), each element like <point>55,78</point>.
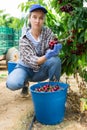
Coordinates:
<point>52,43</point>
<point>48,88</point>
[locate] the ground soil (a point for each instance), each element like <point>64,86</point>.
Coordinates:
<point>16,113</point>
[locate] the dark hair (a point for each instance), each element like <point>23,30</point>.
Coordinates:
<point>29,24</point>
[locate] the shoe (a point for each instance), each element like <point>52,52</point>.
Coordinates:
<point>25,92</point>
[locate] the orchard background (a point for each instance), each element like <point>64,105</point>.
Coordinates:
<point>68,20</point>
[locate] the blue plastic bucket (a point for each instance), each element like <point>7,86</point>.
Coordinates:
<point>11,66</point>
<point>49,107</point>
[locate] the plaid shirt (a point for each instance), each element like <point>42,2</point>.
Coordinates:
<point>29,54</point>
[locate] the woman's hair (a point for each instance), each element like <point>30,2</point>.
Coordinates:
<point>29,24</point>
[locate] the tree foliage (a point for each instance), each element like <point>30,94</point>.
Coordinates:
<point>74,23</point>
<point>10,21</point>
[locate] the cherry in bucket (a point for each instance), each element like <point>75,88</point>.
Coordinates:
<point>48,88</point>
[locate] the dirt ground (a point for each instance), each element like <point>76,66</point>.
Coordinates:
<point>16,113</point>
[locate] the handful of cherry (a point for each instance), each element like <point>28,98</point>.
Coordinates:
<point>52,43</point>
<point>48,88</point>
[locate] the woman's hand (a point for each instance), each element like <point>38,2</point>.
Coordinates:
<point>50,53</point>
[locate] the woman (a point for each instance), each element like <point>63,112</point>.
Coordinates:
<point>37,62</point>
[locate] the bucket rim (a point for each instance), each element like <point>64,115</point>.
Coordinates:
<point>42,83</point>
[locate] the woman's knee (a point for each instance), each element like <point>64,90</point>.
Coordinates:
<point>16,79</point>
<point>56,61</point>
<point>13,85</point>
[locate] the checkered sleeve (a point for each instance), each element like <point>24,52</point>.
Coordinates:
<point>28,54</point>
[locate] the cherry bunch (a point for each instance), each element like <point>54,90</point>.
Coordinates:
<point>66,8</point>
<point>48,88</point>
<point>72,36</point>
<point>80,48</point>
<point>69,41</point>
<point>52,43</point>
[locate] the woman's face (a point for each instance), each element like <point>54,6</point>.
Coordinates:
<point>37,19</point>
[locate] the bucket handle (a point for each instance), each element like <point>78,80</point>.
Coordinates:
<point>33,120</point>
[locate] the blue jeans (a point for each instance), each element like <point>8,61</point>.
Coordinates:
<point>48,70</point>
